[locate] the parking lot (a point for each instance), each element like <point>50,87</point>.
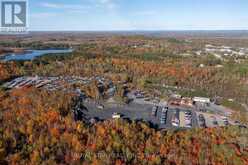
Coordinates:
<point>215,120</point>
<point>157,115</point>
<point>53,83</point>
<point>142,107</point>
<point>161,119</point>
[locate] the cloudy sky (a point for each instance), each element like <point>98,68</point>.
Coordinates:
<point>101,15</point>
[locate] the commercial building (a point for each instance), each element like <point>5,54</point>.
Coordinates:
<point>201,100</point>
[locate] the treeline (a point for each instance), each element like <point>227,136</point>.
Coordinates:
<point>32,45</point>
<point>227,82</point>
<point>8,71</point>
<point>141,65</point>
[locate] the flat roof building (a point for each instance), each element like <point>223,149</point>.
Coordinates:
<point>201,99</point>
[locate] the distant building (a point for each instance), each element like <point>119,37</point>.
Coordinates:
<point>176,96</point>
<point>209,46</point>
<point>201,100</point>
<point>186,102</point>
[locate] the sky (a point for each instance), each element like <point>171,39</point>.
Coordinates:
<point>128,15</point>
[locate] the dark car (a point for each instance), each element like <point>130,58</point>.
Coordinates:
<point>162,121</point>
<point>214,121</point>
<point>154,110</point>
<point>226,123</point>
<point>163,117</point>
<point>201,117</point>
<point>202,121</point>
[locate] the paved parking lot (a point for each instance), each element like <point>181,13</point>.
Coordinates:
<point>142,109</point>
<point>135,111</point>
<point>210,118</point>
<point>217,109</point>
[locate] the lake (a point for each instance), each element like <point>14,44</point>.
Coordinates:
<point>31,54</point>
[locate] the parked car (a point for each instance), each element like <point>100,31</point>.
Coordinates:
<point>154,110</point>
<point>237,123</point>
<point>188,114</point>
<point>226,123</point>
<point>202,121</point>
<point>164,109</point>
<point>163,117</point>
<point>93,120</point>
<point>203,125</point>
<point>162,120</point>
<point>175,122</point>
<point>201,117</point>
<point>203,109</point>
<point>188,125</point>
<point>139,96</point>
<point>147,99</point>
<point>116,115</point>
<point>100,106</point>
<point>215,123</point>
<point>225,120</point>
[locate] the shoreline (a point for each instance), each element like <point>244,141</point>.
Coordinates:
<point>33,53</point>
<point>5,51</point>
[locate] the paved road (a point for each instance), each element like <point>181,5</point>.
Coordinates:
<point>218,109</point>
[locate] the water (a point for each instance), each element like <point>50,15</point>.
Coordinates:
<point>31,54</point>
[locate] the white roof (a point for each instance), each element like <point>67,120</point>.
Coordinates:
<point>201,99</point>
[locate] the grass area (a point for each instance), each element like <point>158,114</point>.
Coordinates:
<point>233,105</point>
<point>184,92</point>
<point>240,112</point>
<point>195,93</point>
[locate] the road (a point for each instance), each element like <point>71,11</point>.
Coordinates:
<point>218,109</point>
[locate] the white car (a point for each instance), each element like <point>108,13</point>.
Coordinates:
<point>224,118</point>
<point>175,122</point>
<point>116,116</point>
<point>187,121</point>
<point>188,126</point>
<point>164,109</point>
<point>100,107</point>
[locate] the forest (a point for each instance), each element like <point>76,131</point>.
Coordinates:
<point>39,126</point>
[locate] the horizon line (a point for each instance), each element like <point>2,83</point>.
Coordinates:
<point>170,30</point>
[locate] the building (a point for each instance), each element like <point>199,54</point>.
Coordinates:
<point>201,100</point>
<point>186,102</point>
